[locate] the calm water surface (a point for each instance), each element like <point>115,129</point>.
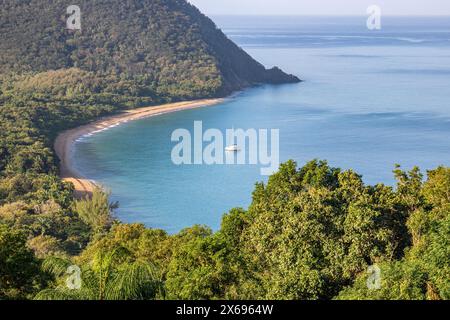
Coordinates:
<point>369,100</point>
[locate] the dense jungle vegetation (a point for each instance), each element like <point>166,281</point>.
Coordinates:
<point>157,49</point>
<point>310,232</point>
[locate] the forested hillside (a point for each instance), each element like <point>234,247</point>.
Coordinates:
<point>163,49</point>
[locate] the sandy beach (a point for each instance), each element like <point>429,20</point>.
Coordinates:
<point>65,140</point>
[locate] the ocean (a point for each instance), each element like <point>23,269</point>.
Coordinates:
<point>369,100</point>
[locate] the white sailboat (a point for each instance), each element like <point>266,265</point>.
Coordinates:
<point>232,148</point>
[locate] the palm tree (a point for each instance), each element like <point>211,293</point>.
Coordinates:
<point>109,276</point>
<point>96,210</point>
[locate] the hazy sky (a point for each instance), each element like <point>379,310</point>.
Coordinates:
<point>323,7</point>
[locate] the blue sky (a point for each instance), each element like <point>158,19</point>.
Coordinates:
<point>323,7</point>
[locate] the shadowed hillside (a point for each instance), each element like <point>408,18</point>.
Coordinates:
<point>164,49</point>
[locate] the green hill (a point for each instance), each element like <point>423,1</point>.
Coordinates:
<point>163,49</point>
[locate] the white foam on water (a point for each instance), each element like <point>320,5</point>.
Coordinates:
<point>102,129</point>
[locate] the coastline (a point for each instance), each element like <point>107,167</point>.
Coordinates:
<point>64,142</point>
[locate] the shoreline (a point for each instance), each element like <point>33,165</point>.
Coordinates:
<point>65,141</point>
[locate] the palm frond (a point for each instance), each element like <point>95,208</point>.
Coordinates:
<point>135,281</point>
<point>61,294</point>
<point>56,266</point>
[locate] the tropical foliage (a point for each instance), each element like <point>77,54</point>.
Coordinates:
<point>109,276</point>
<point>310,233</point>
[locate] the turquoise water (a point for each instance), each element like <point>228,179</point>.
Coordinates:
<point>369,100</point>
